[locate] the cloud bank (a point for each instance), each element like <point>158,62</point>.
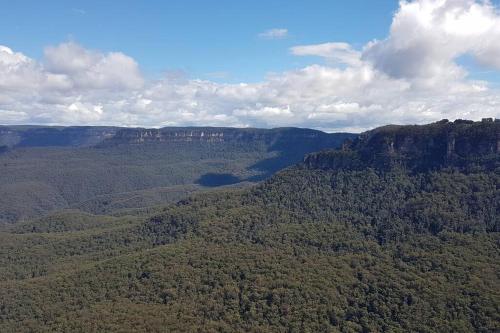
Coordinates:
<point>412,76</point>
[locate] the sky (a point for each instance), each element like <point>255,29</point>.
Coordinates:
<point>324,64</point>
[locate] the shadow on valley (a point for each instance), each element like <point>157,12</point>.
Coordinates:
<point>289,149</point>
<point>217,179</point>
<point>270,166</point>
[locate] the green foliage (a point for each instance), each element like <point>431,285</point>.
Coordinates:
<point>119,174</point>
<point>305,251</point>
<point>309,250</point>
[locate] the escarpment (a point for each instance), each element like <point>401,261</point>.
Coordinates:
<point>277,137</point>
<point>460,144</point>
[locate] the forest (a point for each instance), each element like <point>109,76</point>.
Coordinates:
<point>398,230</point>
<point>110,170</point>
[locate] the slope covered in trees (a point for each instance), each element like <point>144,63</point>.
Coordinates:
<point>108,170</point>
<point>339,243</point>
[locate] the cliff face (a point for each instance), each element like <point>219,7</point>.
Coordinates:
<point>215,134</point>
<point>459,144</point>
<point>140,135</point>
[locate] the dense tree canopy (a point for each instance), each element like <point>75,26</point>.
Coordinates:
<point>318,247</point>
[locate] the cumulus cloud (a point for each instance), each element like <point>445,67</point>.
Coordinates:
<point>70,86</point>
<point>412,76</point>
<point>91,69</point>
<point>278,33</point>
<point>427,37</point>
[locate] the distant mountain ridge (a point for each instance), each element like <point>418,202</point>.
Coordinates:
<point>214,134</point>
<point>45,136</point>
<point>101,169</point>
<point>83,136</point>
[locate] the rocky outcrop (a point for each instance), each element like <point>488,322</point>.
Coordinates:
<point>459,144</point>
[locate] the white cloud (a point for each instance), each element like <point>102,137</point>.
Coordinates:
<point>412,76</point>
<point>93,70</point>
<point>278,33</point>
<point>337,52</point>
<point>428,36</point>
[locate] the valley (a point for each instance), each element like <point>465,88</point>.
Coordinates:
<point>369,237</point>
<point>108,170</point>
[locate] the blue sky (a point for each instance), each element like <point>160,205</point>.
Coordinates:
<point>333,65</point>
<point>213,39</point>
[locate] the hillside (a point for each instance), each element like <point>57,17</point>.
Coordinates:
<point>107,170</point>
<point>362,239</point>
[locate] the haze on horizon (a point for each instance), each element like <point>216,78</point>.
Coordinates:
<point>342,66</point>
